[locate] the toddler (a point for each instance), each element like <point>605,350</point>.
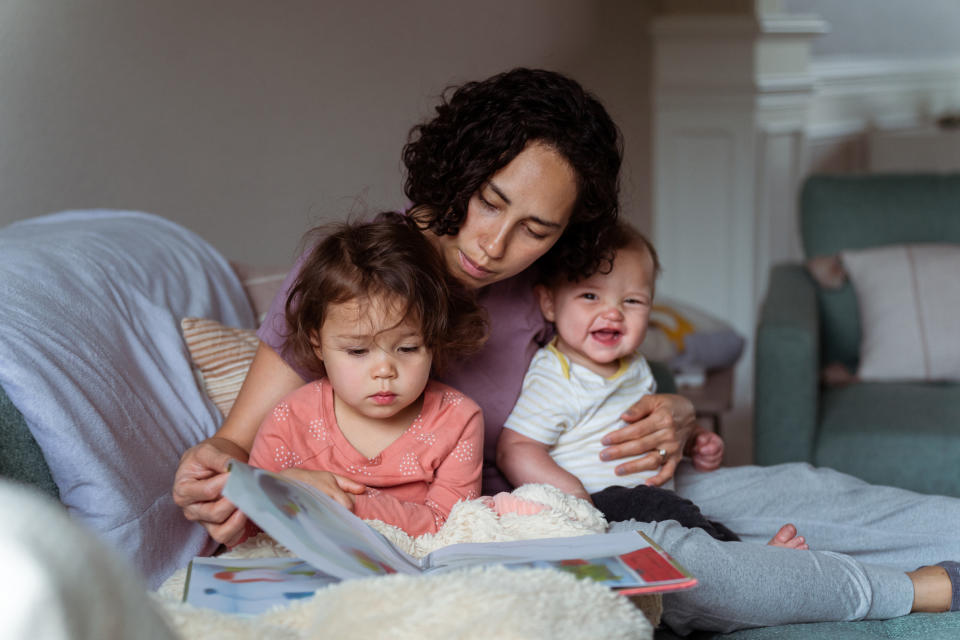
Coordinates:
<point>374,311</point>
<point>578,385</point>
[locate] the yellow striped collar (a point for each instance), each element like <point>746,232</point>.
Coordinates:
<point>565,363</point>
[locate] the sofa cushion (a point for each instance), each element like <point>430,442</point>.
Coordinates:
<point>909,301</point>
<point>856,212</point>
<point>221,357</point>
<point>862,433</point>
<point>20,456</point>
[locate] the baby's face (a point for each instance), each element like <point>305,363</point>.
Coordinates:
<point>603,318</point>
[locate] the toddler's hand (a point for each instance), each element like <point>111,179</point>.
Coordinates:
<point>707,450</point>
<point>337,487</point>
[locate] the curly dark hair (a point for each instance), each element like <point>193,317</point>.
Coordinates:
<point>480,127</point>
<point>388,256</point>
<point>621,235</point>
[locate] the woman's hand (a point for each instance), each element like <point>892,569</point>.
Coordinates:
<point>657,422</point>
<point>202,473</point>
<point>337,487</point>
<point>198,484</point>
<point>706,450</point>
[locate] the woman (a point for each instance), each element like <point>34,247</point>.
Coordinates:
<point>523,163</point>
<point>527,163</point>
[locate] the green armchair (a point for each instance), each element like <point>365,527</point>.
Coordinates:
<point>892,433</point>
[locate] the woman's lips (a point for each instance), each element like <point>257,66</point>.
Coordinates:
<point>471,268</point>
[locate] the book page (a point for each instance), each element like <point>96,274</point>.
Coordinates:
<point>629,561</point>
<point>313,525</point>
<point>589,546</point>
<point>250,586</point>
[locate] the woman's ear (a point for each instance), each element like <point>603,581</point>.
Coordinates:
<point>545,296</point>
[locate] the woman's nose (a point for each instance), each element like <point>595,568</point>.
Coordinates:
<point>494,243</point>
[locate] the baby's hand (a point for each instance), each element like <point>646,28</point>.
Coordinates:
<point>707,450</point>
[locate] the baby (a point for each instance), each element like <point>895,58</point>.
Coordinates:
<point>577,387</point>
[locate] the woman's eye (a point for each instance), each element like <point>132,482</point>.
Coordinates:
<point>486,203</point>
<point>534,233</point>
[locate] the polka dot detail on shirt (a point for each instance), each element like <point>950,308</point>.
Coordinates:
<point>410,464</point>
<point>317,429</point>
<point>359,470</point>
<point>285,458</point>
<point>464,451</point>
<point>416,425</point>
<point>438,516</point>
<point>428,439</point>
<point>450,397</point>
<point>281,411</point>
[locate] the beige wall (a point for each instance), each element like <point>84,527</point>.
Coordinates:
<point>248,121</point>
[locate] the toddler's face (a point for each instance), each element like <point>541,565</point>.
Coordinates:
<point>603,318</point>
<point>376,361</point>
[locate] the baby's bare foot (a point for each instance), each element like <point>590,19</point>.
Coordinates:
<point>787,538</point>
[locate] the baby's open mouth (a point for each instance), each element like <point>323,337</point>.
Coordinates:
<point>606,335</point>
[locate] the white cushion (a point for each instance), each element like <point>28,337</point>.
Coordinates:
<point>909,300</point>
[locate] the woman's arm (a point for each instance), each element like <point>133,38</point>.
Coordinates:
<point>658,421</point>
<point>199,479</point>
<point>524,460</point>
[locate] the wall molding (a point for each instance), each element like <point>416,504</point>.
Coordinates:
<point>859,95</point>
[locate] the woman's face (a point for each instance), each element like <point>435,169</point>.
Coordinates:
<point>515,217</point>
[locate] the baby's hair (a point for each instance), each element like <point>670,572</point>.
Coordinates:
<point>386,257</point>
<point>620,236</point>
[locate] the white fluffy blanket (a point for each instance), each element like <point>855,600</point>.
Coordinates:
<point>479,602</point>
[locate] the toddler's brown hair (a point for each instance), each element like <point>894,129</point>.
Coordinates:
<point>387,257</point>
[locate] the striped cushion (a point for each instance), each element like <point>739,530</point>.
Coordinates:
<point>221,356</point>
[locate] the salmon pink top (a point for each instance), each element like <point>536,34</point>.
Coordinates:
<point>412,484</point>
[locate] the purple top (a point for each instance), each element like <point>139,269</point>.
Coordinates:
<point>492,378</point>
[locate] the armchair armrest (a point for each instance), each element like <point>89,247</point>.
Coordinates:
<point>787,368</point>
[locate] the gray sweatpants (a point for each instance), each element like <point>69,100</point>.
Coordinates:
<point>863,538</point>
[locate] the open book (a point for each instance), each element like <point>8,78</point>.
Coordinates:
<point>333,544</point>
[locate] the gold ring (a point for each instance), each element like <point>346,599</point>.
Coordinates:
<point>663,455</point>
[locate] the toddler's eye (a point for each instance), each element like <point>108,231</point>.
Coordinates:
<point>356,352</point>
<point>589,296</point>
<point>409,348</point>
